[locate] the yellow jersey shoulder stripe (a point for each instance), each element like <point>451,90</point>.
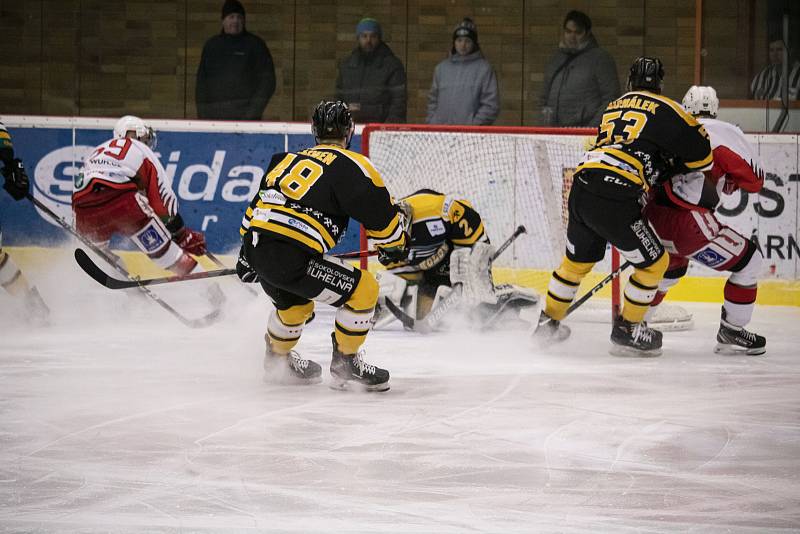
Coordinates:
<point>363,163</point>
<point>677,108</point>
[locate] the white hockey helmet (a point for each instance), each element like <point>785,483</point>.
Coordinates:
<point>701,100</point>
<point>129,123</point>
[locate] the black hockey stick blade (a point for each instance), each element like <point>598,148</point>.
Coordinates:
<point>407,321</point>
<point>102,278</point>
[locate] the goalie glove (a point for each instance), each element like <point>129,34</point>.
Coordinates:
<point>16,179</point>
<point>471,268</point>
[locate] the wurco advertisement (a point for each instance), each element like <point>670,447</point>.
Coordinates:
<point>214,170</point>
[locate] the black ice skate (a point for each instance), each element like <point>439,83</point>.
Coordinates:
<point>736,341</point>
<point>549,331</point>
<point>634,339</point>
<point>352,371</point>
<point>290,369</point>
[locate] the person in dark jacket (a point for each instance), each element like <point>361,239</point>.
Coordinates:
<point>580,79</point>
<point>372,80</point>
<point>236,77</point>
<point>464,89</point>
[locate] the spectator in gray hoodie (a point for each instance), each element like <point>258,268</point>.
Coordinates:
<point>464,89</point>
<point>580,79</point>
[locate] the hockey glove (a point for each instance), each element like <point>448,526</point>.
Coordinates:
<point>389,256</point>
<point>191,241</point>
<point>16,180</point>
<point>243,270</point>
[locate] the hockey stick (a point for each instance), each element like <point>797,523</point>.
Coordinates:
<point>192,323</point>
<point>356,254</point>
<point>102,278</point>
<point>600,285</point>
<point>435,315</point>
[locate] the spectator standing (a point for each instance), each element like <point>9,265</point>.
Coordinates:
<point>768,82</point>
<point>371,79</point>
<point>464,89</point>
<point>580,79</point>
<point>236,76</point>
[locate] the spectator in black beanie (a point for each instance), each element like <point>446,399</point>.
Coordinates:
<point>464,88</point>
<point>236,76</point>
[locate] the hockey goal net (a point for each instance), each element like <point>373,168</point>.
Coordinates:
<point>512,176</point>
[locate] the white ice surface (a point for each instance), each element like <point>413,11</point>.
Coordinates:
<point>119,419</point>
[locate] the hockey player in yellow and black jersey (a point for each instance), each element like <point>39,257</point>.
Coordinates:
<point>12,280</point>
<point>301,210</point>
<point>447,245</point>
<point>644,138</point>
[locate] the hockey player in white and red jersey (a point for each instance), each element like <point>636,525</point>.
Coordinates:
<point>682,214</point>
<point>122,189</point>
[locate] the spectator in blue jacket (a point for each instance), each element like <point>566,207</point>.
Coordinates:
<point>464,89</point>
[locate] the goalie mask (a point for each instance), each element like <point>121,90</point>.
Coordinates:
<point>646,73</point>
<point>701,100</point>
<point>142,131</point>
<point>332,120</point>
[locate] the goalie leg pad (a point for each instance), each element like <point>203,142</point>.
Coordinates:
<point>470,267</point>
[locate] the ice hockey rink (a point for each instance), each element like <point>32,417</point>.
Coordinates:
<point>116,418</point>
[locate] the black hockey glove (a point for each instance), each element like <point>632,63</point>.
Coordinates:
<point>16,180</point>
<point>243,270</point>
<point>388,256</point>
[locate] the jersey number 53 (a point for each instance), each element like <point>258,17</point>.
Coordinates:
<point>294,179</point>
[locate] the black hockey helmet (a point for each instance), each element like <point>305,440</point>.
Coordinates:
<point>646,73</point>
<point>332,120</point>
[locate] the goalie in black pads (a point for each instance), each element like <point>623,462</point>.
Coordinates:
<point>447,266</point>
<point>644,138</point>
<point>299,213</point>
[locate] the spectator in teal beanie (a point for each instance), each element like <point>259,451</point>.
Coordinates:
<point>371,79</point>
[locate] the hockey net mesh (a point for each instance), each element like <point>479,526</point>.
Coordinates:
<point>510,178</point>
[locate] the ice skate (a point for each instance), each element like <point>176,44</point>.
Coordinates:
<point>635,339</point>
<point>352,372</point>
<point>736,340</point>
<point>290,369</point>
<point>549,331</point>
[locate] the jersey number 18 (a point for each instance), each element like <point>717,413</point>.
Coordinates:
<point>295,180</point>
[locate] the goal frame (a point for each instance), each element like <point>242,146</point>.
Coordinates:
<point>513,130</point>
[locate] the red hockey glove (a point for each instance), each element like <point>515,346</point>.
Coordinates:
<point>191,241</point>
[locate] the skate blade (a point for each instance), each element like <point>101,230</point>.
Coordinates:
<point>290,380</point>
<point>629,352</point>
<point>672,326</point>
<point>734,350</point>
<point>351,385</point>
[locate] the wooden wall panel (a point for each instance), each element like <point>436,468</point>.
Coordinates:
<point>93,57</point>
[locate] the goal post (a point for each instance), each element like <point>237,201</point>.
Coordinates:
<point>511,175</point>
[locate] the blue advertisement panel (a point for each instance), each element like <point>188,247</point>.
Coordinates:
<point>214,176</point>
